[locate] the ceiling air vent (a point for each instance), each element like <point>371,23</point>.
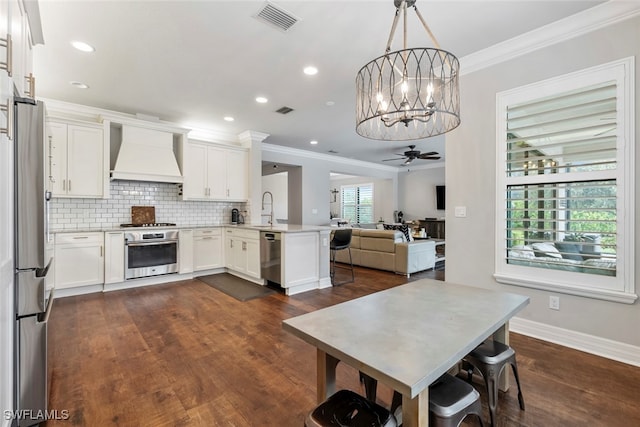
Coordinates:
<point>284,110</point>
<point>276,16</point>
<point>332,152</point>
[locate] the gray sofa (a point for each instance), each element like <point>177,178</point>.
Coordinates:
<point>388,250</point>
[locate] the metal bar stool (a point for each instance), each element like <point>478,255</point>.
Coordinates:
<point>341,240</point>
<point>490,358</point>
<point>450,400</point>
<point>349,409</point>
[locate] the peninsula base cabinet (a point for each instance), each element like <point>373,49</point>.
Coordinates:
<point>79,259</point>
<point>242,251</point>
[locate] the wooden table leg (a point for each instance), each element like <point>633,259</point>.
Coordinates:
<point>502,335</point>
<point>326,375</point>
<point>415,412</point>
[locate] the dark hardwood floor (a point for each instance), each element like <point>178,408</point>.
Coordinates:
<point>186,354</point>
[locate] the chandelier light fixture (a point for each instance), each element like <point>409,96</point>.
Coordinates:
<point>410,93</point>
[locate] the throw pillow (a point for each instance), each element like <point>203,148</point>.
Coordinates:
<point>545,250</point>
<point>403,228</point>
<point>569,250</point>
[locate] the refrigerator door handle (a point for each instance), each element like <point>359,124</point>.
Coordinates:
<point>45,318</point>
<point>47,200</point>
<point>42,272</point>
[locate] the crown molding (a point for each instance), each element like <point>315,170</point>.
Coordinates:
<point>325,157</point>
<point>567,28</point>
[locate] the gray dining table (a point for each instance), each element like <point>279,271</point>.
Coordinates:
<point>406,337</point>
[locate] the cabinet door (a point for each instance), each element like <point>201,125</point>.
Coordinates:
<point>217,173</point>
<point>78,265</point>
<point>237,174</point>
<point>235,258</point>
<point>114,257</point>
<point>18,41</point>
<point>185,248</point>
<point>56,161</point>
<point>195,173</point>
<point>207,252</point>
<point>85,166</point>
<point>252,257</point>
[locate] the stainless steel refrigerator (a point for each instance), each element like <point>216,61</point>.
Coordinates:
<point>32,304</point>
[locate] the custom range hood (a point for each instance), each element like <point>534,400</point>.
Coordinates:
<point>146,155</point>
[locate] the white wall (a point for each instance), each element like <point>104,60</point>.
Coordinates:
<point>470,178</point>
<point>278,185</point>
<point>315,180</point>
<point>383,191</point>
<point>417,192</point>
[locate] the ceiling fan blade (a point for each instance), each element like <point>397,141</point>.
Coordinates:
<point>409,160</point>
<point>429,157</point>
<point>430,153</point>
<point>389,160</point>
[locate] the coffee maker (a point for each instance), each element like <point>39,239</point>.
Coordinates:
<point>235,216</point>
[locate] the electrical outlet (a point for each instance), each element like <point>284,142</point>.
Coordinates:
<point>554,302</point>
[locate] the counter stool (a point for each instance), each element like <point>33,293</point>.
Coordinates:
<point>341,240</point>
<point>490,358</point>
<point>346,408</point>
<point>450,400</point>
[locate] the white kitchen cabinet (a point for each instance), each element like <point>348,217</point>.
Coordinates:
<point>75,160</point>
<point>113,257</point>
<point>185,251</point>
<point>213,172</point>
<point>242,251</point>
<point>79,259</point>
<point>21,48</point>
<point>207,249</point>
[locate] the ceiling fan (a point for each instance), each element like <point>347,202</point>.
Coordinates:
<point>412,154</point>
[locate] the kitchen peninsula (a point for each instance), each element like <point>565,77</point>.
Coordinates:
<point>194,251</point>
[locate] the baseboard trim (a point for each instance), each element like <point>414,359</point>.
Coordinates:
<point>603,347</point>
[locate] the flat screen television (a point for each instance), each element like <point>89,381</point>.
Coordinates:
<point>440,197</point>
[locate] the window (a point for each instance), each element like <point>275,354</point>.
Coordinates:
<point>357,203</point>
<point>565,184</point>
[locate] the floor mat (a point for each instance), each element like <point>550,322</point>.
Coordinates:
<point>238,288</point>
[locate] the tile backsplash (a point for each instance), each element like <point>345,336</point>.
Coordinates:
<point>82,214</point>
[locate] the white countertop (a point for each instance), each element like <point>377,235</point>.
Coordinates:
<point>283,228</point>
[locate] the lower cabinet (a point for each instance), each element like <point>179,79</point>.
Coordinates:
<point>242,251</point>
<point>207,249</point>
<point>113,257</point>
<point>79,259</point>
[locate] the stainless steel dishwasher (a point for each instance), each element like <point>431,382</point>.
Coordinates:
<point>270,258</point>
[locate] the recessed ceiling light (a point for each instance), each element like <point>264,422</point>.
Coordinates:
<point>79,85</point>
<point>310,70</point>
<point>82,46</point>
<point>228,119</point>
<point>330,103</point>
<point>262,100</point>
<point>314,142</point>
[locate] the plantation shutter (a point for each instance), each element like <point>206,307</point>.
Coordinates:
<point>357,203</point>
<point>561,159</point>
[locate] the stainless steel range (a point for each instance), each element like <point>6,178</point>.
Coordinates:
<point>150,253</point>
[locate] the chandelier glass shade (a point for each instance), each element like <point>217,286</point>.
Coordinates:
<point>408,94</point>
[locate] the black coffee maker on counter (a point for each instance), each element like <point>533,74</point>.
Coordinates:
<point>236,217</point>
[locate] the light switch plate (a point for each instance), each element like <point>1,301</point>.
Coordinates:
<point>460,211</point>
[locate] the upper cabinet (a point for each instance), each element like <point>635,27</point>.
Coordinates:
<point>22,34</point>
<point>75,160</point>
<point>214,172</point>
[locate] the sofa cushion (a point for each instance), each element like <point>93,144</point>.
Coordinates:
<point>569,250</point>
<point>380,240</point>
<point>545,250</point>
<point>404,228</point>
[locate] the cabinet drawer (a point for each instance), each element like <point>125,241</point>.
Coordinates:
<point>204,232</point>
<point>242,233</point>
<point>71,238</point>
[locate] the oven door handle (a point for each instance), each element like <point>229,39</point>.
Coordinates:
<point>154,243</point>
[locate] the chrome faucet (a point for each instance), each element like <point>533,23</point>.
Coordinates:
<point>270,214</point>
